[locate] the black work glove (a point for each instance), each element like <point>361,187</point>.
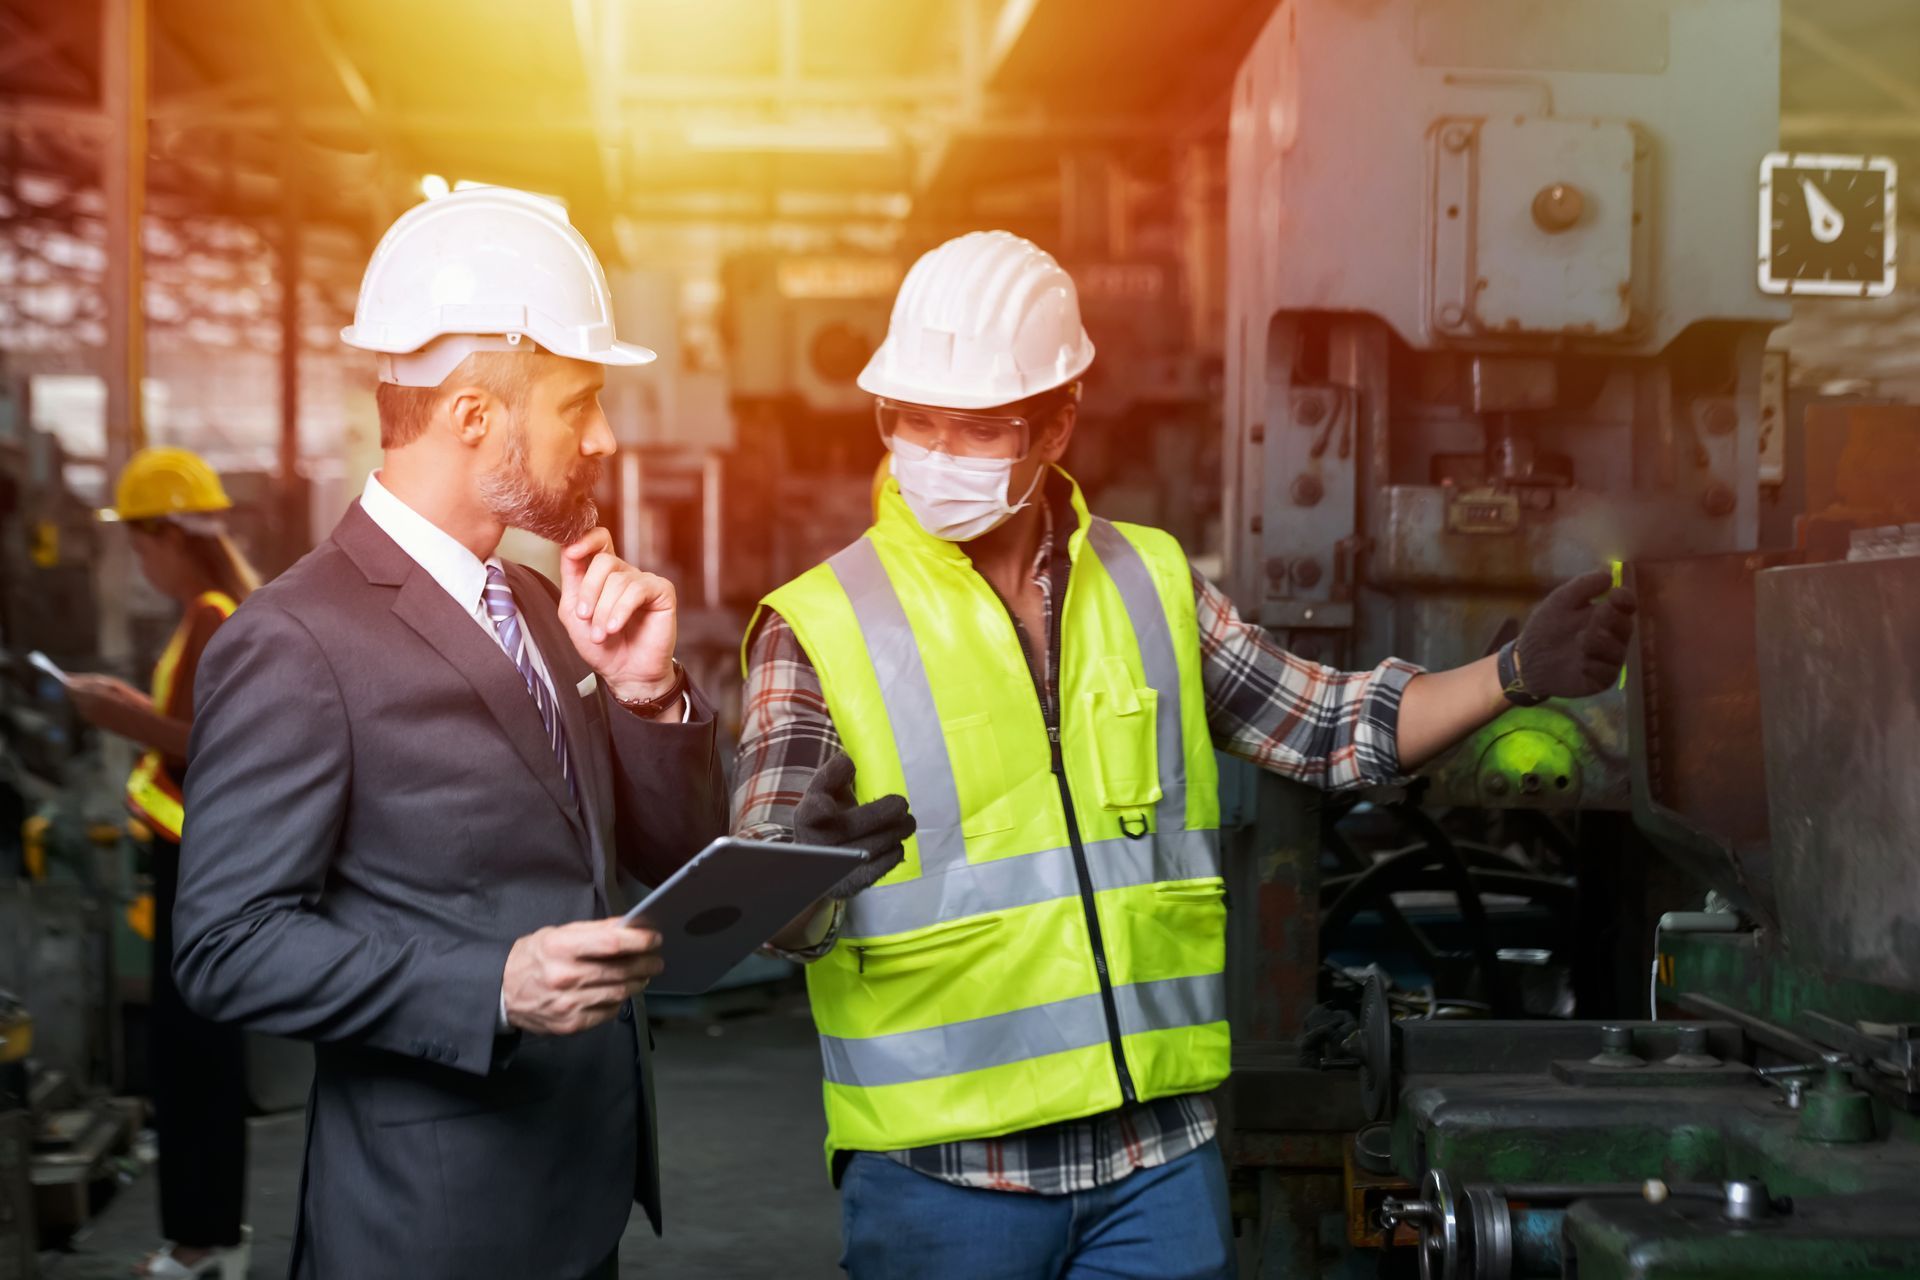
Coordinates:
<point>1573,644</point>
<point>828,815</point>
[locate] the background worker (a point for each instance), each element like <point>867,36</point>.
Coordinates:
<point>1033,1001</point>
<point>171,501</point>
<point>425,781</point>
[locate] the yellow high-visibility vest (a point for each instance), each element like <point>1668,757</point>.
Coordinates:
<point>1054,943</point>
<point>152,793</point>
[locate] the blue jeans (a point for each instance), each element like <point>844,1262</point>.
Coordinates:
<point>1168,1223</point>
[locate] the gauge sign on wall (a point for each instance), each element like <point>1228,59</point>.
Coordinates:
<point>1827,225</point>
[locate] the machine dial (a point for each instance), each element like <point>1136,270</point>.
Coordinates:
<point>1826,225</point>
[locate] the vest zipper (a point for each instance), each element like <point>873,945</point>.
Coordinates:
<point>1093,917</point>
<point>1062,569</point>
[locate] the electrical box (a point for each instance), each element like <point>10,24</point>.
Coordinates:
<point>1535,225</point>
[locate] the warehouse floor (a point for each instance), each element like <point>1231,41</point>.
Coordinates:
<point>747,1194</point>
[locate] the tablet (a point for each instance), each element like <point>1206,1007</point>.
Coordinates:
<point>47,665</point>
<point>723,906</point>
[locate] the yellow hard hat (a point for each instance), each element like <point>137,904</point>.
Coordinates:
<point>163,482</point>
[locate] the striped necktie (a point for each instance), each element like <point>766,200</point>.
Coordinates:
<point>505,615</point>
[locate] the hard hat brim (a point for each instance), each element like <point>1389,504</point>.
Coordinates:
<point>876,380</point>
<point>622,354</point>
<point>113,515</point>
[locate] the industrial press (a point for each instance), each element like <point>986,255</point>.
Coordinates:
<point>1499,314</point>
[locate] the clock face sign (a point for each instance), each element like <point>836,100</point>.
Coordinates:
<point>1827,225</point>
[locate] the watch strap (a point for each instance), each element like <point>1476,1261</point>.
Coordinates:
<point>651,707</point>
<point>1512,681</point>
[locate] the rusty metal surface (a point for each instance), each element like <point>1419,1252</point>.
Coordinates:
<point>1576,532</point>
<point>1273,935</point>
<point>1839,678</point>
<point>1693,693</point>
<point>1365,1193</point>
<point>1863,464</point>
<point>1289,1150</point>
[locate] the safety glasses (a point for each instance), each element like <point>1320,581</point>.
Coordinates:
<point>954,432</point>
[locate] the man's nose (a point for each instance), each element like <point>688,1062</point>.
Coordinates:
<point>598,441</point>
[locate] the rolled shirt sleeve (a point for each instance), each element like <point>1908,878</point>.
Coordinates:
<point>1327,728</point>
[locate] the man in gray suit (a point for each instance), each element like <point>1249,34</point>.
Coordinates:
<point>423,780</point>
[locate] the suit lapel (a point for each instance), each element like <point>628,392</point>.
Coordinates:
<point>430,611</point>
<point>587,749</point>
<point>453,634</point>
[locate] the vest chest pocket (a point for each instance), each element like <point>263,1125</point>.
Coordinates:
<point>980,775</point>
<point>1123,729</point>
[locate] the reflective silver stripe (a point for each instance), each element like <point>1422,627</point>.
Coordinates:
<point>1155,637</point>
<point>979,1043</point>
<point>931,791</point>
<point>1171,1002</point>
<point>959,1047</point>
<point>978,888</point>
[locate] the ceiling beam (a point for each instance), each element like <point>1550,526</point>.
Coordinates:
<point>25,44</point>
<point>849,91</point>
<point>1008,26</point>
<point>599,29</point>
<point>352,83</point>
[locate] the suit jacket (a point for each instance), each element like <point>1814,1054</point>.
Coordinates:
<point>374,817</point>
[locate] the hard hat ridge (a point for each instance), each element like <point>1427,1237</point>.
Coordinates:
<point>985,319</point>
<point>166,483</point>
<point>483,269</point>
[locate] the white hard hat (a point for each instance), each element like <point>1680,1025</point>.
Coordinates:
<point>985,319</point>
<point>485,269</point>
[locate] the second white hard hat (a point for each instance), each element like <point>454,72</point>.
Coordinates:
<point>488,268</point>
<point>985,319</point>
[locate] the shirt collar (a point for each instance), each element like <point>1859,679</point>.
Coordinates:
<point>1043,555</point>
<point>460,573</point>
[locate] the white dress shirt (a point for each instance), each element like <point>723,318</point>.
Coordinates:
<point>460,573</point>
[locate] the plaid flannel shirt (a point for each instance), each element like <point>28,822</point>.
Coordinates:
<point>1308,722</point>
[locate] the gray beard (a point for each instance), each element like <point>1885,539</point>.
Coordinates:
<point>563,514</point>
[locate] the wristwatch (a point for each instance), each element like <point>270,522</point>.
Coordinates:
<point>1512,682</point>
<point>652,707</point>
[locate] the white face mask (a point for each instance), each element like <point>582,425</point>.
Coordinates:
<point>956,499</point>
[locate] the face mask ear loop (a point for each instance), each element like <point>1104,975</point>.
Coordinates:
<point>1022,504</point>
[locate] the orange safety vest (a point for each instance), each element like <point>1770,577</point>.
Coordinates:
<point>152,793</point>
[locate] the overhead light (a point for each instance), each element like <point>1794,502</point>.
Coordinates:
<point>433,186</point>
<point>789,137</point>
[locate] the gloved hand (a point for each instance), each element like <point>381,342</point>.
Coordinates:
<point>1573,644</point>
<point>828,815</point>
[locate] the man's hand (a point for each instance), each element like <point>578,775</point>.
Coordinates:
<point>1576,640</point>
<point>572,977</point>
<point>828,815</point>
<point>622,621</point>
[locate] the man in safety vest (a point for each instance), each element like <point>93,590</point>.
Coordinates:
<point>1032,999</point>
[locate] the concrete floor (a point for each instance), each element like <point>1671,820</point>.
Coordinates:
<point>747,1195</point>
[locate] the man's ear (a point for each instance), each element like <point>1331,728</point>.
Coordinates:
<point>1058,431</point>
<point>469,412</point>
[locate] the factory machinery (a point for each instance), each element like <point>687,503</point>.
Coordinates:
<point>1493,322</point>
<point>65,868</point>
